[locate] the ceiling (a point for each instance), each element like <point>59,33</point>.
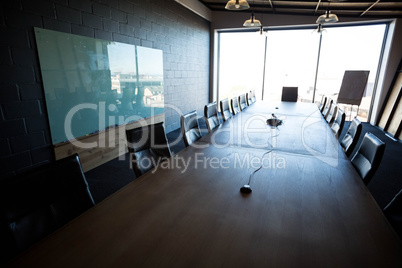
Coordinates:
<point>345,8</point>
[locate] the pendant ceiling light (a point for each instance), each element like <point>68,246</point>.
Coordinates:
<point>252,22</point>
<point>327,18</point>
<point>237,5</point>
<point>319,29</point>
<point>261,31</point>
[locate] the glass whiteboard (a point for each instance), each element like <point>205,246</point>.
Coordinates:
<point>92,84</point>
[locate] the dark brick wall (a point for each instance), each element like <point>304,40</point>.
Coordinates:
<point>163,24</point>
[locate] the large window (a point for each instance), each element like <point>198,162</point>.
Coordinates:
<point>241,64</point>
<point>291,59</point>
<point>350,48</point>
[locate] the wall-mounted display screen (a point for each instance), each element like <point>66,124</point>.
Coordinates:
<point>92,84</point>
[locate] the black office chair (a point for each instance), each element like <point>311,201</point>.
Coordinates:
<point>331,115</point>
<point>351,138</point>
<point>190,129</point>
<point>37,202</point>
<point>393,212</point>
<point>147,146</point>
<point>327,108</point>
<point>211,116</point>
<point>368,157</point>
<point>338,123</point>
<point>226,114</point>
<point>322,103</point>
<point>248,98</point>
<point>253,99</point>
<point>234,103</point>
<point>289,94</point>
<point>242,102</point>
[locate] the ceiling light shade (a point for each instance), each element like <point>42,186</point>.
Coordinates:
<point>252,22</point>
<point>327,18</point>
<point>237,5</point>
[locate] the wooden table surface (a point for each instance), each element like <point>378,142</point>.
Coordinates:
<point>304,211</point>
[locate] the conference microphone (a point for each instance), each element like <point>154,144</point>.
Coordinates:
<point>274,121</point>
<point>245,189</point>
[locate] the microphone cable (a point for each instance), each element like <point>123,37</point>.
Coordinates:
<point>246,189</point>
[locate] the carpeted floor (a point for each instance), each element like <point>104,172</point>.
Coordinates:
<point>110,177</point>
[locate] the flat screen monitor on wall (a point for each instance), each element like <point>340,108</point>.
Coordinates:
<point>92,84</point>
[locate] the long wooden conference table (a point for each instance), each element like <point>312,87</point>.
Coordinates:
<point>308,206</point>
